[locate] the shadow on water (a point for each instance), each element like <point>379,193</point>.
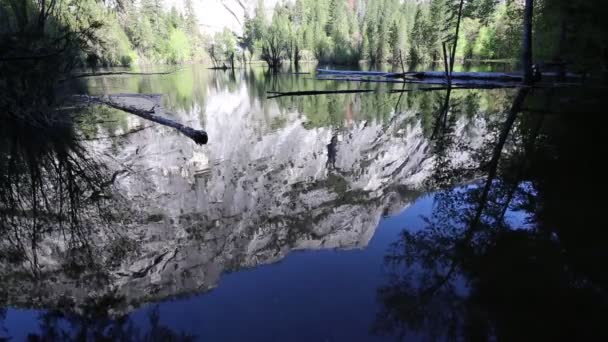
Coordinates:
<point>525,261</point>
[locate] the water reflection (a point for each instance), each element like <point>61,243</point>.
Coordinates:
<point>473,274</point>
<point>303,173</point>
<point>93,323</point>
<point>49,187</point>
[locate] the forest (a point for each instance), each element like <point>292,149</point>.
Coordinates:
<point>120,33</point>
<point>377,31</point>
<point>341,32</point>
<point>103,196</point>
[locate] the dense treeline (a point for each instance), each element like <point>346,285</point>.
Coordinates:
<point>125,32</point>
<point>347,31</point>
<point>329,31</point>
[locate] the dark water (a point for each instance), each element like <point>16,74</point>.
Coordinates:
<point>341,217</point>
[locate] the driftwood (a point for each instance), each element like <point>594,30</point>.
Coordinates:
<point>146,106</point>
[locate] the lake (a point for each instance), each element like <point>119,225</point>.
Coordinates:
<point>336,217</point>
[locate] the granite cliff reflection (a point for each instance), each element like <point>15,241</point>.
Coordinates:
<point>264,186</point>
<point>254,194</point>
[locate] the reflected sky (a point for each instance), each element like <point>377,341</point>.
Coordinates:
<point>318,295</point>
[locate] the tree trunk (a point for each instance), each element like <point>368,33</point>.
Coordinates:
<point>297,57</point>
<point>527,42</point>
<point>493,164</point>
<point>453,54</point>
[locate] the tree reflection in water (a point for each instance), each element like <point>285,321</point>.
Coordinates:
<point>473,273</point>
<point>52,188</point>
<point>49,187</point>
<point>94,323</point>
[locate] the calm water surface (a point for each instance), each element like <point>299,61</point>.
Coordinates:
<point>341,217</point>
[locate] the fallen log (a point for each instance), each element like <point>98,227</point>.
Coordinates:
<point>471,83</point>
<point>495,76</point>
<point>146,106</point>
<point>390,91</point>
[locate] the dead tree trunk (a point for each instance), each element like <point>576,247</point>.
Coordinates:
<point>527,42</point>
<point>453,54</point>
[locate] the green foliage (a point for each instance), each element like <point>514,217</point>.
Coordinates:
<point>222,48</point>
<point>126,33</point>
<point>469,32</point>
<point>179,48</point>
<point>573,32</point>
<point>485,42</point>
<point>248,40</point>
<point>278,38</point>
<point>331,31</point>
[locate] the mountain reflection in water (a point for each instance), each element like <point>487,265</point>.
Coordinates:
<point>167,219</point>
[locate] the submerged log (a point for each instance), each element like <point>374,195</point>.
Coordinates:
<point>223,67</point>
<point>316,92</point>
<point>117,73</point>
<point>353,72</point>
<point>146,106</point>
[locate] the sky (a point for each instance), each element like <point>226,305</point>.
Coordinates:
<point>213,15</point>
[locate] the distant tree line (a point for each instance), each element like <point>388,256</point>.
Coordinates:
<point>331,31</point>
<point>347,31</point>
<point>377,31</point>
